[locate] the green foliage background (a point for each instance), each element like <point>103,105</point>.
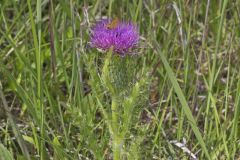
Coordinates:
<point>177,97</point>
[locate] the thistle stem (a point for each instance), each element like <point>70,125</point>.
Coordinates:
<point>117,146</point>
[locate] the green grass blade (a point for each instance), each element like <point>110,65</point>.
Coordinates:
<point>14,126</point>
<point>182,99</point>
<point>37,45</point>
<point>5,154</point>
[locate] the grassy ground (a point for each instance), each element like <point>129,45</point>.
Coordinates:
<point>178,97</point>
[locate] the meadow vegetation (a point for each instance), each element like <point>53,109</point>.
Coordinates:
<point>175,96</point>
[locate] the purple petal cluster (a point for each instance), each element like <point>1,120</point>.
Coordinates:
<point>122,38</point>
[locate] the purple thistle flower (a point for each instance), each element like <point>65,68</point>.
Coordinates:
<point>122,37</point>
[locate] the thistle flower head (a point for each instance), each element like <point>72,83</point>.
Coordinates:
<point>121,36</point>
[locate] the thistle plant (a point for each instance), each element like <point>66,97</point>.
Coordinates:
<point>118,77</point>
<point>122,36</point>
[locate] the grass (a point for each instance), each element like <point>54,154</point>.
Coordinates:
<point>178,97</point>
